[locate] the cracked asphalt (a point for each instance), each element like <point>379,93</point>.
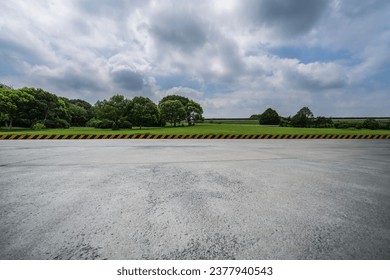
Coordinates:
<point>195,199</point>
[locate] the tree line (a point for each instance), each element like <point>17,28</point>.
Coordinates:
<point>305,118</point>
<point>38,109</point>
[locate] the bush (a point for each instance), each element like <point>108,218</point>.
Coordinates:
<point>269,117</point>
<point>322,122</point>
<point>371,124</point>
<point>303,118</point>
<point>38,126</point>
<point>125,124</point>
<point>104,124</point>
<point>114,126</point>
<point>344,124</point>
<point>384,125</point>
<point>24,122</point>
<point>93,122</point>
<point>96,123</point>
<point>57,123</point>
<point>285,122</point>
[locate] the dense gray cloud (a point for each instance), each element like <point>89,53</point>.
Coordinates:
<point>293,17</point>
<point>219,52</point>
<point>127,79</point>
<point>74,81</point>
<point>355,8</point>
<point>182,31</point>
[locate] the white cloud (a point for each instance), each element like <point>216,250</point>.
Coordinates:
<point>93,49</point>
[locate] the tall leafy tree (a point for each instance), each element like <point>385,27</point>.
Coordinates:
<point>193,112</point>
<point>78,115</point>
<point>144,112</point>
<point>303,118</point>
<point>182,99</point>
<point>269,117</point>
<point>193,109</point>
<point>172,111</point>
<point>12,104</point>
<point>47,108</point>
<point>83,104</point>
<point>116,110</point>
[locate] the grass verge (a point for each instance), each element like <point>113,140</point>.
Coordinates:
<point>200,129</point>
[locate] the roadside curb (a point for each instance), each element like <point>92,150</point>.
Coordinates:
<point>188,136</point>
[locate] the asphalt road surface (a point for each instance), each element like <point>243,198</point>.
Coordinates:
<point>195,199</point>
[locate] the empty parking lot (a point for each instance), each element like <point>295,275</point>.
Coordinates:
<point>195,199</point>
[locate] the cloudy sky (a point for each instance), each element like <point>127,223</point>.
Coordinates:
<point>235,57</point>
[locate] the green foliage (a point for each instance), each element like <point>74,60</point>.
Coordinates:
<point>5,86</point>
<point>105,123</point>
<point>125,124</point>
<point>384,125</point>
<point>269,117</point>
<point>100,123</point>
<point>346,124</point>
<point>45,107</point>
<point>116,110</point>
<point>144,112</point>
<point>172,111</point>
<point>78,115</point>
<point>38,126</point>
<point>193,112</point>
<point>285,122</point>
<point>193,109</point>
<point>92,122</point>
<point>182,99</point>
<point>255,117</point>
<point>83,104</point>
<point>303,118</point>
<point>57,123</point>
<point>13,103</point>
<point>322,122</point>
<point>371,124</point>
<point>28,106</point>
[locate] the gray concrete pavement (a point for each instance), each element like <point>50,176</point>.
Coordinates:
<point>195,199</point>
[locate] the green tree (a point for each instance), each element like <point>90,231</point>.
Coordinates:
<point>46,108</point>
<point>182,99</point>
<point>370,124</point>
<point>269,117</point>
<point>193,112</point>
<point>172,111</point>
<point>144,112</point>
<point>83,104</point>
<point>5,86</point>
<point>303,118</point>
<point>12,104</point>
<point>322,122</point>
<point>78,115</point>
<point>193,109</point>
<point>116,110</point>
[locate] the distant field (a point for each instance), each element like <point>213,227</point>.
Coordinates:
<point>232,121</point>
<point>205,128</point>
<point>256,122</point>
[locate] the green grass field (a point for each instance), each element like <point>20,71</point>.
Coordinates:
<point>205,128</point>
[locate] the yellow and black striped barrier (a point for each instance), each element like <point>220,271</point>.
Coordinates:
<point>189,136</point>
